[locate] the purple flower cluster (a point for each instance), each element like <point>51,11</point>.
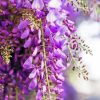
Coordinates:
<point>33,38</point>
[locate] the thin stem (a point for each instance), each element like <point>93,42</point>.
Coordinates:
<point>69,49</point>
<point>73,60</point>
<point>45,66</point>
<point>16,98</point>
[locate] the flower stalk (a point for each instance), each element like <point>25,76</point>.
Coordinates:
<point>45,66</point>
<point>16,89</point>
<point>80,68</point>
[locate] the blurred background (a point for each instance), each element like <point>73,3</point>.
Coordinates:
<point>88,27</point>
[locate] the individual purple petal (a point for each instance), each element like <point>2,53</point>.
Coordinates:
<point>57,43</point>
<point>36,59</point>
<point>37,4</point>
<point>59,64</point>
<point>12,1</point>
<point>28,43</point>
<point>33,84</point>
<point>28,63</point>
<point>60,42</point>
<point>39,95</point>
<point>35,51</point>
<point>47,32</point>
<point>59,54</point>
<point>54,3</point>
<point>27,4</point>
<point>42,75</point>
<point>70,25</point>
<point>5,32</point>
<point>68,32</point>
<point>54,29</point>
<point>23,24</point>
<point>42,65</point>
<point>33,73</point>
<point>60,77</point>
<point>52,16</point>
<point>25,34</point>
<point>55,80</point>
<point>60,89</point>
<point>4,3</point>
<point>44,88</point>
<point>19,3</point>
<point>15,30</point>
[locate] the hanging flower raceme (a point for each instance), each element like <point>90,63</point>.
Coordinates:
<point>32,44</point>
<point>46,45</point>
